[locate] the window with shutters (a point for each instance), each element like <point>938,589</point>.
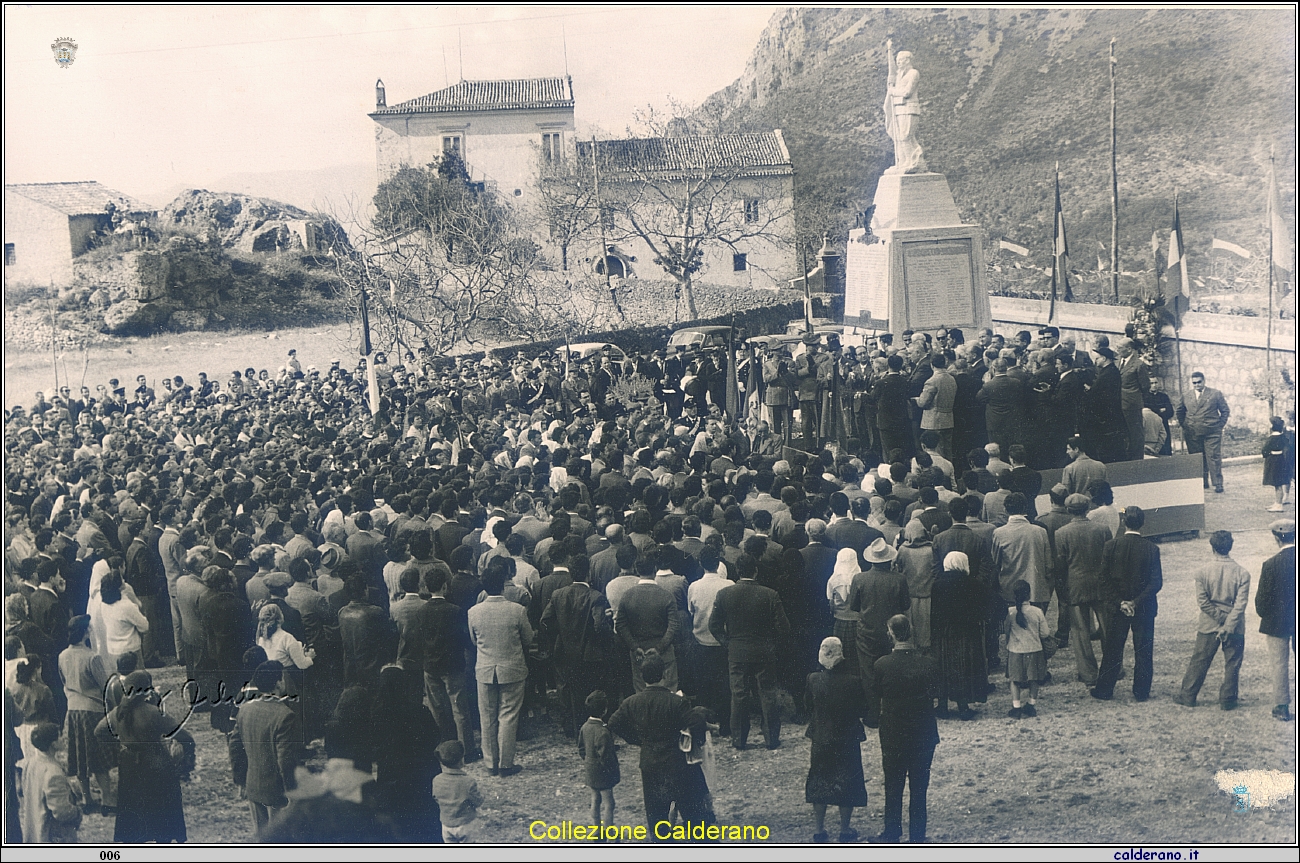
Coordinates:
<point>552,146</point>
<point>739,263</point>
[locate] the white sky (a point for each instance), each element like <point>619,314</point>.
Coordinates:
<point>166,96</point>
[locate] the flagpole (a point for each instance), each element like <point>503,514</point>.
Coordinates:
<point>1176,239</point>
<point>1268,345</point>
<point>1114,184</point>
<point>1056,244</point>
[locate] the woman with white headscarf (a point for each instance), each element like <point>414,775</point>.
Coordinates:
<point>835,703</point>
<point>838,591</point>
<point>957,604</point>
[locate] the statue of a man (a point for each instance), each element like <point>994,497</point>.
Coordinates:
<point>902,112</point>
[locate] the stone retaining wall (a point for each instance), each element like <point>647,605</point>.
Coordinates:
<point>1229,349</point>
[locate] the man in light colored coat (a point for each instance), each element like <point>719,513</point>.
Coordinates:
<point>1021,552</point>
<point>503,636</point>
<point>936,401</point>
<point>172,551</point>
<point>1222,592</point>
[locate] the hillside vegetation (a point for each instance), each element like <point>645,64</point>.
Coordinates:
<point>1006,94</point>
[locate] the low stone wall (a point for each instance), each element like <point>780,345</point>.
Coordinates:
<point>1229,349</point>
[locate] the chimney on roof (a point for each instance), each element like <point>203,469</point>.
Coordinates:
<point>381,99</point>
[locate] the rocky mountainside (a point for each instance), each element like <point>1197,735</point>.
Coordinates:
<point>1203,94</point>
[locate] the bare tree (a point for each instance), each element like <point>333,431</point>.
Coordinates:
<point>442,260</point>
<point>681,193</point>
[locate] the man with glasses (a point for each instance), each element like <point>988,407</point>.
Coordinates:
<point>1202,414</point>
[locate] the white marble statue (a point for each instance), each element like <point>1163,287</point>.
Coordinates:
<point>902,112</point>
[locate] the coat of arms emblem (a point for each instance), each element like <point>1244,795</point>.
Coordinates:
<point>65,51</point>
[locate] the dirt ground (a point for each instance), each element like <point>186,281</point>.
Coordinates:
<point>1082,771</point>
<point>171,354</point>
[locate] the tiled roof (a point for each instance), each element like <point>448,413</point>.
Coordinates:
<point>489,96</point>
<point>79,199</point>
<point>747,154</point>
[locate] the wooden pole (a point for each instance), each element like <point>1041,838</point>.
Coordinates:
<point>1268,345</point>
<point>54,354</point>
<point>1114,184</point>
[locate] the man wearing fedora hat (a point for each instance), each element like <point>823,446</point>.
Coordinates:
<point>877,595</point>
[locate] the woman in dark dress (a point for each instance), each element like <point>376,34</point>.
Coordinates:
<point>148,787</point>
<point>957,636</point>
<point>405,743</point>
<point>835,701</point>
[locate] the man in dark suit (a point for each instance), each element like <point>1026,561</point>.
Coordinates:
<point>967,414</point>
<point>1003,398</point>
<point>368,549</point>
<point>877,594</point>
<point>653,719</point>
<point>1202,414</point>
<point>1131,567</point>
<point>1135,383</point>
<point>851,531</point>
<point>368,635</point>
<point>890,395</point>
<point>922,369</point>
<point>818,565</point>
<point>646,618</point>
<point>266,746</point>
<point>1275,604</point>
<point>443,633</point>
<point>669,389</point>
<point>451,532</point>
<point>1101,423</point>
<point>748,619</point>
<point>576,627</point>
<point>908,682</point>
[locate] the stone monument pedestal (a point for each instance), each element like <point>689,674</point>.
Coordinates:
<point>920,267</point>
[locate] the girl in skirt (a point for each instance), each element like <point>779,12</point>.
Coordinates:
<point>1025,629</point>
<point>1279,462</point>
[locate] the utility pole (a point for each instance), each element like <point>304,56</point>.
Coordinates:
<point>1114,184</point>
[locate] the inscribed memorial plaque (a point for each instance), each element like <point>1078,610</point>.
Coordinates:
<point>866,294</point>
<point>938,282</point>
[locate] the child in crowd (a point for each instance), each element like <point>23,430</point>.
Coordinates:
<point>457,794</point>
<point>1279,462</point>
<point>596,745</point>
<point>1025,629</point>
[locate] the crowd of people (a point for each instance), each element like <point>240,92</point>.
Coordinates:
<point>387,593</point>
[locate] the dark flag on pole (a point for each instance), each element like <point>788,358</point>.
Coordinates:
<point>733,379</point>
<point>1179,301</point>
<point>365,325</point>
<point>1060,253</point>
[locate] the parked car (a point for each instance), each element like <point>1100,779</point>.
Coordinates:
<point>583,351</point>
<point>699,338</point>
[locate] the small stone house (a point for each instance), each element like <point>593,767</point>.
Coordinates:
<point>48,224</point>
